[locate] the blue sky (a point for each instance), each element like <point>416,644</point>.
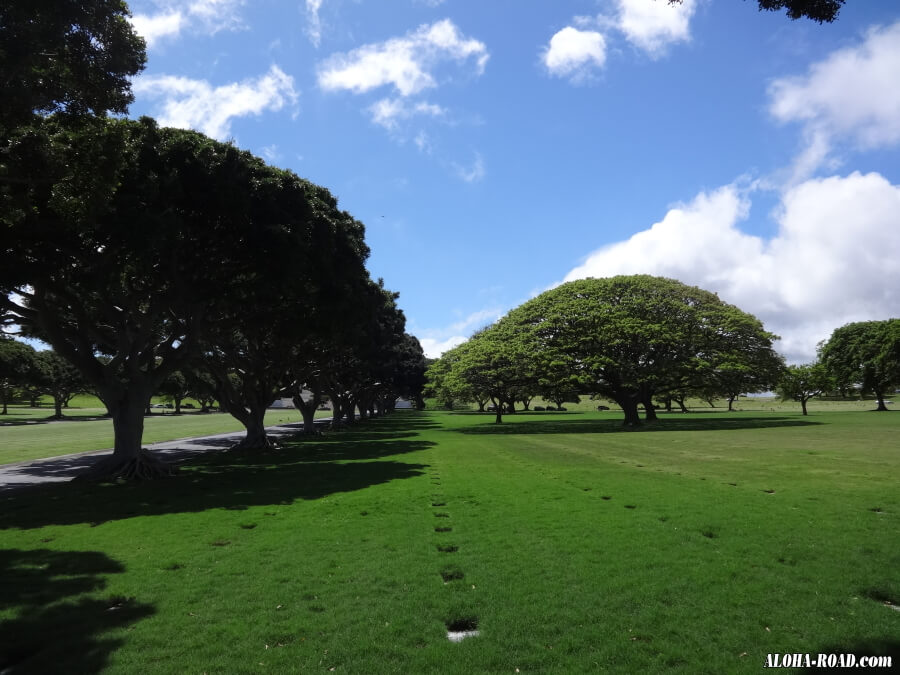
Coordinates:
<point>495,149</point>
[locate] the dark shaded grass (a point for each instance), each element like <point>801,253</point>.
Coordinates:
<point>308,470</point>
<point>611,426</point>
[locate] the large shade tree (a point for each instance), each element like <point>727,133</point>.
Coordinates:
<point>630,338</point>
<point>120,281</point>
<point>866,355</point>
<point>309,257</point>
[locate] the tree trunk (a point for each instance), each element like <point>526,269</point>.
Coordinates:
<point>308,411</point>
<point>629,405</point>
<point>481,405</point>
<point>255,423</point>
<point>511,407</point>
<point>649,410</point>
<point>58,406</point>
<point>680,402</point>
<point>178,406</point>
<point>803,404</point>
<point>129,461</point>
<point>879,394</point>
<point>731,399</point>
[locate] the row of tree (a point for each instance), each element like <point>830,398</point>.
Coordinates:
<point>640,340</point>
<point>859,358</point>
<point>197,257</point>
<point>138,252</point>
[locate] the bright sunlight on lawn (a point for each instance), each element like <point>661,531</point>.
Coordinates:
<point>702,543</point>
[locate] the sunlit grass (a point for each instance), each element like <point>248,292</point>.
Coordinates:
<point>573,546</point>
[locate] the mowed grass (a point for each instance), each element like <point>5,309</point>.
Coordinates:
<point>21,442</point>
<point>699,545</point>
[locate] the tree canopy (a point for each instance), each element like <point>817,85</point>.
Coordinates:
<point>626,338</point>
<point>185,244</point>
<point>865,354</point>
<point>801,383</point>
<point>71,56</point>
<point>630,338</point>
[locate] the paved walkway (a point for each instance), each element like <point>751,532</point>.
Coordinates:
<point>66,467</point>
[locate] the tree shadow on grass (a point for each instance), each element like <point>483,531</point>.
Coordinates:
<point>55,627</point>
<point>608,426</point>
<point>20,421</point>
<point>230,480</point>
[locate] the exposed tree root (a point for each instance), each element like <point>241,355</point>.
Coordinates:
<point>261,443</point>
<point>144,466</point>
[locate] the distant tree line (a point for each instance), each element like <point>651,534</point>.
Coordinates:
<point>645,342</point>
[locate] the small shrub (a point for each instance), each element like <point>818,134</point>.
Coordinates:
<point>538,408</point>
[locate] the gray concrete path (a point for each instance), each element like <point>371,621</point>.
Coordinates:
<point>66,467</point>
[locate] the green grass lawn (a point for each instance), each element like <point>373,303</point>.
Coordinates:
<point>698,545</point>
<point>23,441</point>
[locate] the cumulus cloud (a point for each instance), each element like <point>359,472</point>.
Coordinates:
<point>434,348</point>
<point>154,28</point>
<point>406,63</point>
<point>195,104</point>
<point>199,16</point>
<point>832,261</point>
<point>436,342</point>
<point>850,96</point>
<point>653,25</point>
<point>389,111</point>
<point>575,53</point>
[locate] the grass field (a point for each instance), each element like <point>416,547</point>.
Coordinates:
<point>700,544</point>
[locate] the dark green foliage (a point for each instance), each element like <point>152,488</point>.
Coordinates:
<point>801,383</point>
<point>820,11</point>
<point>17,365</point>
<point>630,338</point>
<point>71,56</point>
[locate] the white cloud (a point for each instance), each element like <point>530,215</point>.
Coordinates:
<point>388,111</point>
<point>434,348</point>
<point>653,25</point>
<point>314,26</point>
<point>474,173</point>
<point>852,94</point>
<point>832,261</point>
<point>574,53</point>
<point>153,28</point>
<point>406,63</point>
<point>195,104</point>
<point>436,342</point>
<point>199,16</point>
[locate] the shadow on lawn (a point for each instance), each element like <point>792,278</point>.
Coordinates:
<point>52,631</point>
<point>12,421</point>
<point>607,426</point>
<point>302,469</point>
